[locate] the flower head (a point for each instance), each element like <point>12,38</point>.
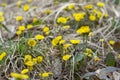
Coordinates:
<point>19,76</point>
<point>71,6</point>
<point>26,7</point>
<point>79,16</point>
<point>75,41</point>
<point>18,32</point>
<point>56,40</point>
<point>2,55</point>
<point>83,30</point>
<point>45,29</point>
<point>62,20</point>
<point>2,19</point>
<point>112,42</point>
<point>35,20</point>
<point>66,57</point>
<point>39,37</point>
<point>100,4</point>
<point>46,74</point>
<point>31,42</point>
<point>92,17</point>
<point>19,18</point>
<point>39,59</point>
<point>24,71</point>
<point>66,27</point>
<point>89,6</point>
<point>29,26</point>
<point>65,46</point>
<point>96,58</point>
<point>21,28</point>
<point>19,3</point>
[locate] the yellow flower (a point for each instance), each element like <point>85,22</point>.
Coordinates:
<point>21,28</point>
<point>92,17</point>
<point>66,27</point>
<point>62,41</point>
<point>100,4</point>
<point>56,40</point>
<point>18,32</point>
<point>24,71</point>
<point>1,13</point>
<point>26,7</point>
<point>45,29</point>
<point>29,26</point>
<point>35,20</point>
<point>19,3</point>
<point>34,60</point>
<point>2,18</point>
<point>65,46</point>
<point>39,59</point>
<point>48,11</point>
<point>106,15</point>
<point>112,42</point>
<point>89,6</point>
<point>119,56</point>
<point>4,4</point>
<point>19,18</point>
<point>2,55</point>
<point>91,34</point>
<point>79,16</point>
<point>101,40</point>
<point>83,30</point>
<point>88,50</point>
<point>89,55</point>
<point>19,76</point>
<point>62,20</point>
<point>96,58</point>
<point>27,58</point>
<point>29,1</point>
<point>47,33</point>
<point>39,37</point>
<point>75,41</point>
<point>31,42</point>
<point>29,63</point>
<point>71,6</point>
<point>66,57</point>
<point>99,14</point>
<point>46,74</point>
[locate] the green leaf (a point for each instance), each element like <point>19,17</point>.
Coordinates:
<point>78,57</point>
<point>110,59</point>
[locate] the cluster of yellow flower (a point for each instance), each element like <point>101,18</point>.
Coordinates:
<point>30,62</point>
<point>22,28</point>
<point>56,40</point>
<point>88,52</point>
<point>32,42</point>
<point>25,7</point>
